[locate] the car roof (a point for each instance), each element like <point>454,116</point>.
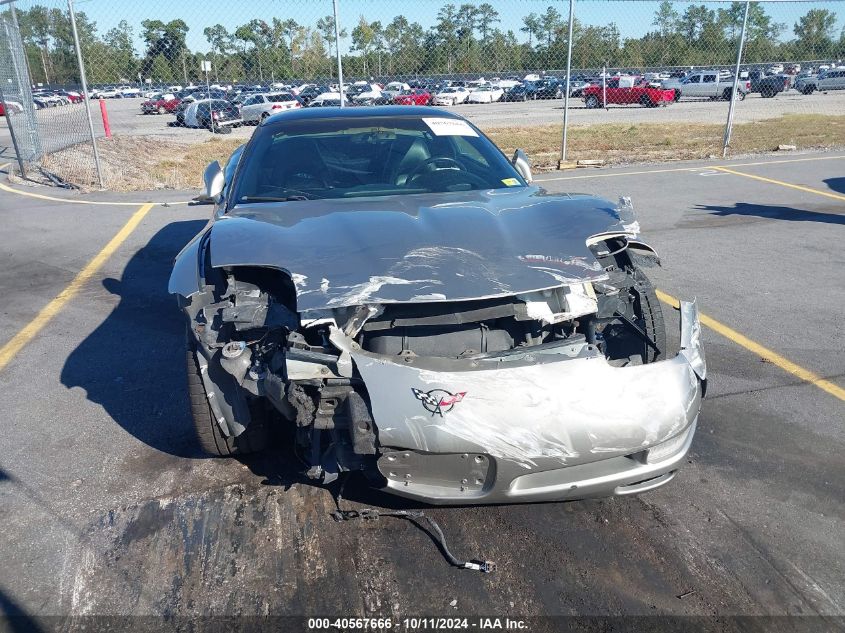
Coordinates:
<point>360,113</point>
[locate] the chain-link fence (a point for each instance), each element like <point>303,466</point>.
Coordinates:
<point>502,64</point>
<point>16,96</point>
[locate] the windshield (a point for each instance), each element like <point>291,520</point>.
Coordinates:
<point>377,156</point>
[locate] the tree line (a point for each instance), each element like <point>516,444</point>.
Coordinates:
<point>466,38</point>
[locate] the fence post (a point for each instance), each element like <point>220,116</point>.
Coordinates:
<point>23,77</point>
<point>6,109</point>
<point>734,90</point>
<point>337,50</point>
<point>566,94</point>
<point>85,92</point>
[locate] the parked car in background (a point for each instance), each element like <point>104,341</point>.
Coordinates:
<point>394,88</point>
<point>129,92</point>
<point>576,87</point>
<point>258,107</point>
<point>106,92</point>
<point>363,94</point>
<point>50,98</point>
<point>708,83</point>
<point>767,85</point>
<point>413,96</point>
<point>160,104</point>
<point>525,91</point>
<point>831,79</point>
<point>214,114</point>
<point>70,95</point>
<point>311,92</point>
<point>626,90</point>
<point>506,84</point>
<point>548,88</point>
<point>180,113</point>
<point>327,100</point>
<point>201,95</point>
<point>12,106</point>
<point>485,94</point>
<point>40,102</point>
<point>450,96</point>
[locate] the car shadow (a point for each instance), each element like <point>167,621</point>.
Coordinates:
<point>15,618</point>
<point>773,212</point>
<point>132,364</point>
<point>836,184</point>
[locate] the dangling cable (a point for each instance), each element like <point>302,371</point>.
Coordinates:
<point>414,516</point>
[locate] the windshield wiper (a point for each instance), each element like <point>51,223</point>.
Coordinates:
<point>293,198</point>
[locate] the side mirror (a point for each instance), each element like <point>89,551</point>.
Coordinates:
<point>214,181</point>
<point>522,164</point>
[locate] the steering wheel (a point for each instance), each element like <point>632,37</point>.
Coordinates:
<point>433,161</point>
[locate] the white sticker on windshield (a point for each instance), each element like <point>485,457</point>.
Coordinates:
<point>449,127</point>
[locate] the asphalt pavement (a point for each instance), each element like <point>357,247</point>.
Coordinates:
<point>107,507</point>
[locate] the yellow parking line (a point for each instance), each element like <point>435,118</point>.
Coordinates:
<point>627,173</point>
<point>772,181</point>
<point>763,352</point>
<point>31,329</point>
<point>41,196</point>
<point>688,169</point>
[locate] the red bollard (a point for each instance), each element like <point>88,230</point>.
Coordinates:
<point>105,114</point>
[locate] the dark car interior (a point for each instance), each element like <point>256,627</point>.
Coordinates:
<point>335,158</point>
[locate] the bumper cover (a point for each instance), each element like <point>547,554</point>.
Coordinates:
<point>544,424</point>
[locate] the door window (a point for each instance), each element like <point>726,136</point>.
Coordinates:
<point>709,79</point>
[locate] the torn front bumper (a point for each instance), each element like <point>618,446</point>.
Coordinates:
<point>548,423</point>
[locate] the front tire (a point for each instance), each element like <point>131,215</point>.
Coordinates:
<point>592,102</point>
<point>209,436</point>
<point>677,96</point>
<point>652,316</point>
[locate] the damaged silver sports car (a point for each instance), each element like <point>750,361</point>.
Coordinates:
<point>388,284</point>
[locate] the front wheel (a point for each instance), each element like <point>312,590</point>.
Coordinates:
<point>208,433</point>
<point>651,314</point>
<point>592,102</point>
<point>161,110</point>
<point>677,96</point>
<point>646,101</point>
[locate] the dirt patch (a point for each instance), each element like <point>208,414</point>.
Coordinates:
<point>137,163</point>
<point>140,163</point>
<point>654,142</point>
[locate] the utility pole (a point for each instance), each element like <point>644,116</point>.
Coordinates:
<point>337,50</point>
<point>734,90</point>
<point>85,92</point>
<point>566,95</point>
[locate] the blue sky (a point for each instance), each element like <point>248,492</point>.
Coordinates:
<point>633,17</point>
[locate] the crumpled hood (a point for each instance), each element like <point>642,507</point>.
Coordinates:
<point>431,247</point>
